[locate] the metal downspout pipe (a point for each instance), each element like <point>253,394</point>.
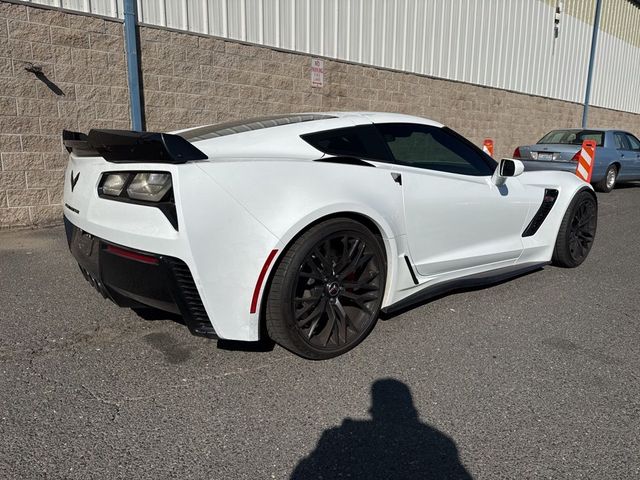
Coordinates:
<point>133,63</point>
<point>592,56</point>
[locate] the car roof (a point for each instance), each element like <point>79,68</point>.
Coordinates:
<point>241,126</point>
<point>280,136</point>
<point>587,128</point>
<point>386,117</point>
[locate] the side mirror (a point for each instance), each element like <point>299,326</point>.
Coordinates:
<point>508,167</point>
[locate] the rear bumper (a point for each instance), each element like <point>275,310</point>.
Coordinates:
<point>533,165</point>
<point>536,165</point>
<point>132,278</point>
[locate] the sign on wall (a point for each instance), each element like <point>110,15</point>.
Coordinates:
<point>317,72</point>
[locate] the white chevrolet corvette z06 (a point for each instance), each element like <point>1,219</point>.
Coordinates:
<point>304,227</point>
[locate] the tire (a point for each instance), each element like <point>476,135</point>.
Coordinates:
<point>325,295</point>
<point>577,231</point>
<point>609,181</point>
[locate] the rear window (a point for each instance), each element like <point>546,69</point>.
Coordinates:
<point>573,137</point>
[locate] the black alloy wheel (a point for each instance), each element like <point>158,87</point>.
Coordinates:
<point>577,231</point>
<point>336,291</point>
<point>326,294</point>
<point>582,231</point>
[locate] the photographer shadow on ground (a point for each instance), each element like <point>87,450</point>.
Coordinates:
<point>394,444</point>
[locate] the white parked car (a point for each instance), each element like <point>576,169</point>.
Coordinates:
<point>304,227</point>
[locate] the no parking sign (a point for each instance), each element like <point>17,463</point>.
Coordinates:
<point>317,72</point>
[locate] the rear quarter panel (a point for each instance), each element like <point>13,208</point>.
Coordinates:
<point>286,196</point>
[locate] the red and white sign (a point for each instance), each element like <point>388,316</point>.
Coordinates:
<point>585,160</point>
<point>317,72</point>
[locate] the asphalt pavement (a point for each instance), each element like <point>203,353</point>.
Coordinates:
<point>538,377</point>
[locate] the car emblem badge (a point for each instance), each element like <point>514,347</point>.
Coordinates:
<point>333,289</point>
<point>74,180</point>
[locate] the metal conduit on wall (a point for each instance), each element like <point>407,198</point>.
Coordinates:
<point>498,43</point>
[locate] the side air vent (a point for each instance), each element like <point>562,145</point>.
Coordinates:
<point>410,268</point>
<point>550,196</point>
<point>189,300</point>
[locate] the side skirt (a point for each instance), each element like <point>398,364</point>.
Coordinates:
<point>471,281</point>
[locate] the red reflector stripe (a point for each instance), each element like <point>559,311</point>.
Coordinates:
<point>263,272</point>
<point>131,255</point>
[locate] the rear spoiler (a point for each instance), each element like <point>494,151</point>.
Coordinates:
<point>127,146</point>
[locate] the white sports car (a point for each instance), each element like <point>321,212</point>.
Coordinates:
<point>304,227</point>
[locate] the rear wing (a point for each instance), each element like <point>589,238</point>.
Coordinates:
<point>127,146</point>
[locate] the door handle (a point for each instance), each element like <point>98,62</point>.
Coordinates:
<point>397,177</point>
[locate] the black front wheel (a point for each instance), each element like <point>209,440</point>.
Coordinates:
<point>325,295</point>
<point>577,231</point>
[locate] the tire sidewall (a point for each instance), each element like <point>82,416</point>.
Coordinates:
<point>602,186</point>
<point>562,245</point>
<point>615,178</point>
<point>303,246</point>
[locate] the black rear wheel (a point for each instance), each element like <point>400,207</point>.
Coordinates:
<point>326,293</point>
<point>577,231</point>
<point>609,181</point>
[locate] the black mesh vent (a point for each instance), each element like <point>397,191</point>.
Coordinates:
<point>189,296</point>
<point>548,200</point>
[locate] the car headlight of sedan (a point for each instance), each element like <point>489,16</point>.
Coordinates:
<point>149,186</point>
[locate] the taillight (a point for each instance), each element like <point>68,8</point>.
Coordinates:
<point>576,157</point>
<point>149,186</point>
<point>146,187</point>
<point>516,153</point>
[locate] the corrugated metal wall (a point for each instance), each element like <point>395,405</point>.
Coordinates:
<point>506,44</point>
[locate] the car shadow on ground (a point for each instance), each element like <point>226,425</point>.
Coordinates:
<point>394,444</point>
<point>622,186</point>
<point>152,314</point>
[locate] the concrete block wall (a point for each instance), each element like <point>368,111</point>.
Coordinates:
<point>83,84</point>
<point>191,80</point>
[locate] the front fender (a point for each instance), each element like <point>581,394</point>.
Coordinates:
<point>539,247</point>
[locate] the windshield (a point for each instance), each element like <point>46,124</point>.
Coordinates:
<point>573,137</point>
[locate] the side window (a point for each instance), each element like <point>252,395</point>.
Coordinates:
<point>620,141</point>
<point>361,141</point>
<point>633,141</point>
<point>432,148</point>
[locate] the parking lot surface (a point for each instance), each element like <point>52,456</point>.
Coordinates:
<point>538,377</point>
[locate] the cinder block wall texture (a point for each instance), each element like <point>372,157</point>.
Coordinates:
<point>191,80</point>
